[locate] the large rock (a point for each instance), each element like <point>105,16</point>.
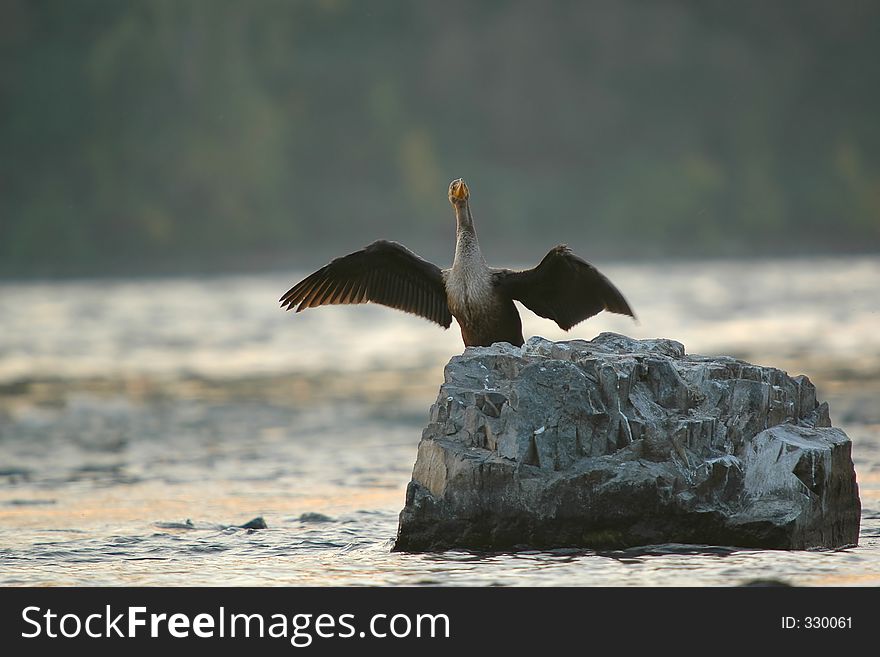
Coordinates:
<point>619,442</point>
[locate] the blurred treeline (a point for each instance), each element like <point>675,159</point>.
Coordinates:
<point>156,135</point>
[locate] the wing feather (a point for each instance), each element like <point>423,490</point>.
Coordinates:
<point>315,291</point>
<point>564,288</point>
<point>383,272</point>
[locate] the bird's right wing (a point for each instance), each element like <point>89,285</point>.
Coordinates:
<point>384,272</point>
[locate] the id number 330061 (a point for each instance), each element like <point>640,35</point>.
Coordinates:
<point>817,623</point>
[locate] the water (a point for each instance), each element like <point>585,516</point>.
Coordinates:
<point>142,421</point>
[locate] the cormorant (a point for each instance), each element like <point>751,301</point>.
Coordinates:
<point>563,287</point>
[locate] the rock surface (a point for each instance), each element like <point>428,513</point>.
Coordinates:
<point>618,442</point>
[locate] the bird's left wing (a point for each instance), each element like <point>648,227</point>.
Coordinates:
<point>564,288</point>
<point>384,272</point>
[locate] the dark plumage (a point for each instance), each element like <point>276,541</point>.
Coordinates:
<point>563,287</point>
<point>384,272</point>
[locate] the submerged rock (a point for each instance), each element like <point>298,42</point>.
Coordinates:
<point>256,523</point>
<point>312,516</point>
<point>250,525</point>
<point>617,443</point>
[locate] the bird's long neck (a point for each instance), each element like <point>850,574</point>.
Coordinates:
<point>467,248</point>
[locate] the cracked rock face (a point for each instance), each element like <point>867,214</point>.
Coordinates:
<point>618,442</point>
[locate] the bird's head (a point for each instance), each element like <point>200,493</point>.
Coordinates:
<point>458,192</point>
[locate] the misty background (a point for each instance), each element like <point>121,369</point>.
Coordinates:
<point>153,136</point>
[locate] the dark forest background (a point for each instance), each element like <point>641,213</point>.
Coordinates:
<point>196,135</point>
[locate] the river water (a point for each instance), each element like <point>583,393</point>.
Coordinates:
<point>142,421</point>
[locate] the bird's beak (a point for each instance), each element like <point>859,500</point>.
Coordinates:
<point>459,190</point>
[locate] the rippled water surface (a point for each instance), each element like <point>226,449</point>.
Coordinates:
<point>141,422</point>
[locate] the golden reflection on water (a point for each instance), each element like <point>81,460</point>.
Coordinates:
<point>141,505</point>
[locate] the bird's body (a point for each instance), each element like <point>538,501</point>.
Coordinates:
<point>483,313</point>
<point>562,287</point>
